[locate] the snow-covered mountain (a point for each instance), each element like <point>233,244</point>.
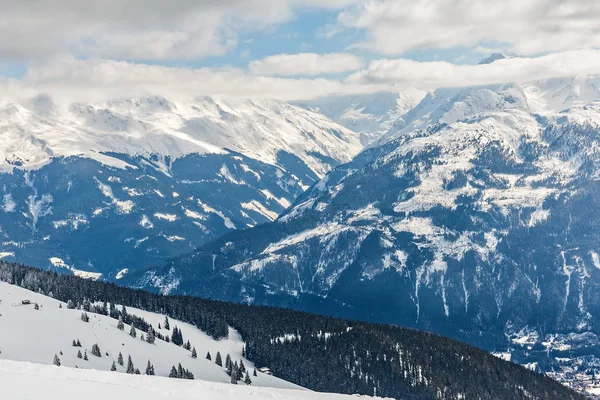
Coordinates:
<point>20,380</point>
<point>481,226</point>
<point>22,325</point>
<point>370,115</point>
<point>107,188</point>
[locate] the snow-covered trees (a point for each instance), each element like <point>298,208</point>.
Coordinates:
<point>150,338</point>
<point>194,354</point>
<point>167,325</point>
<point>85,317</point>
<point>113,366</point>
<point>56,360</point>
<point>130,367</point>
<point>120,324</point>
<point>218,359</point>
<point>120,359</point>
<point>149,368</point>
<point>96,350</point>
<point>132,332</point>
<point>177,336</point>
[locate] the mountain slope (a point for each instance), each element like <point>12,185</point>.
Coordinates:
<point>22,325</point>
<point>145,179</point>
<point>482,229</point>
<point>371,115</point>
<point>317,352</point>
<point>34,381</point>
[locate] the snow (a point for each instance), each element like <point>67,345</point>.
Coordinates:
<point>20,381</point>
<point>21,327</point>
<point>259,129</point>
<point>60,263</point>
<point>259,208</point>
<point>166,217</point>
<point>122,273</point>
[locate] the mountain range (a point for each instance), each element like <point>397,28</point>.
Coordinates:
<point>475,219</point>
<point>103,189</point>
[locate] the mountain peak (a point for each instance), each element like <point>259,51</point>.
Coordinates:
<point>493,57</point>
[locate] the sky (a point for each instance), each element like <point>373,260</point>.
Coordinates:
<point>288,49</point>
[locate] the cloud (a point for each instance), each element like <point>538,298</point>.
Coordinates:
<point>138,29</point>
<point>436,74</point>
<point>305,64</point>
<point>69,79</point>
<point>526,27</point>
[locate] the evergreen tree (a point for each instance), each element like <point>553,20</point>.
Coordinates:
<point>85,357</point>
<point>132,332</point>
<point>233,379</point>
<point>120,325</point>
<point>159,328</point>
<point>247,380</point>
<point>167,325</point>
<point>180,372</point>
<point>79,355</point>
<point>85,317</point>
<point>208,357</point>
<point>96,350</point>
<point>120,359</point>
<point>149,369</point>
<point>243,351</point>
<point>194,354</point>
<point>173,373</point>
<point>130,367</point>
<point>78,343</point>
<point>242,367</point>
<point>137,371</point>
<point>74,343</point>
<point>187,346</point>
<point>113,367</point>
<point>56,360</point>
<point>218,360</point>
<point>150,338</point>
<point>228,361</point>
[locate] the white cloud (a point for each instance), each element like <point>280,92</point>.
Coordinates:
<point>522,26</point>
<point>68,79</point>
<point>137,29</point>
<point>436,74</point>
<point>305,64</point>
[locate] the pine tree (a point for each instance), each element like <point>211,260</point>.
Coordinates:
<point>242,367</point>
<point>130,367</point>
<point>187,346</point>
<point>208,357</point>
<point>96,350</point>
<point>85,357</point>
<point>120,359</point>
<point>120,325</point>
<point>85,317</point>
<point>149,369</point>
<point>79,355</point>
<point>74,343</point>
<point>113,367</point>
<point>254,373</point>
<point>218,360</point>
<point>132,332</point>
<point>159,326</point>
<point>180,372</point>
<point>173,373</point>
<point>150,338</point>
<point>36,306</point>
<point>78,343</point>
<point>243,351</point>
<point>228,361</point>
<point>56,360</point>
<point>233,379</point>
<point>247,380</point>
<point>194,354</point>
<point>167,326</point>
<point>137,371</point>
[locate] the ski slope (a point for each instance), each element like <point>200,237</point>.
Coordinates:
<point>30,335</point>
<point>25,381</point>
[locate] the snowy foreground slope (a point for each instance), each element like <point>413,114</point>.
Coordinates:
<point>31,335</point>
<point>25,381</point>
